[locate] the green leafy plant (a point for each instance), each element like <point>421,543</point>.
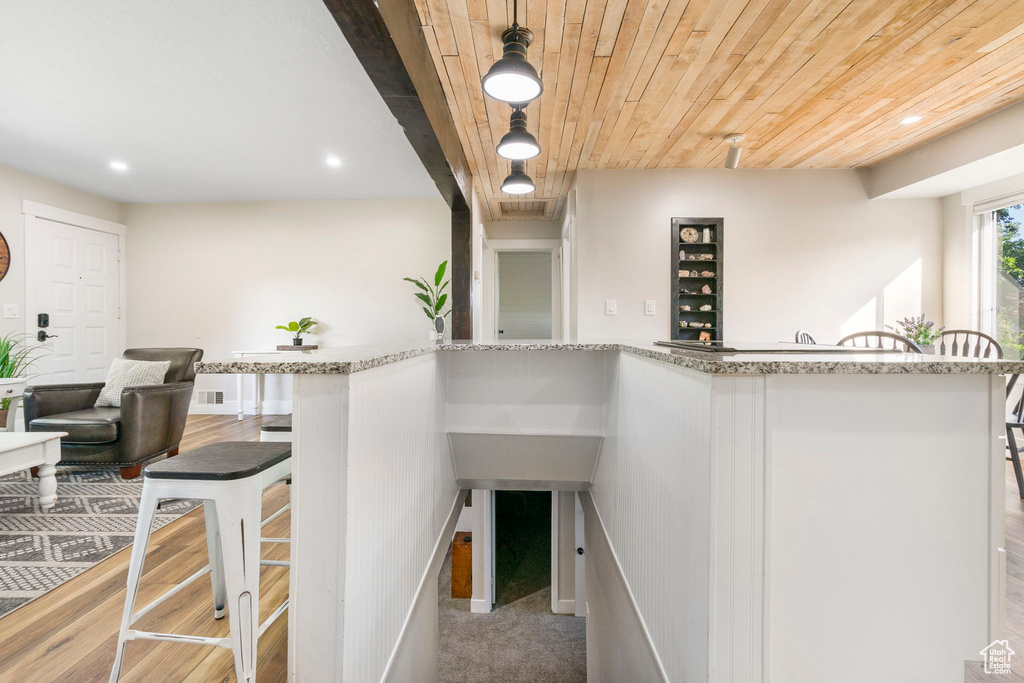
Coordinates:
<point>16,358</point>
<point>434,295</point>
<point>918,330</point>
<point>299,328</point>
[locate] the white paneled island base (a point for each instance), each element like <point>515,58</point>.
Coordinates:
<point>750,518</point>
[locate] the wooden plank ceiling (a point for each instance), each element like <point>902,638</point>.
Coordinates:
<point>659,83</point>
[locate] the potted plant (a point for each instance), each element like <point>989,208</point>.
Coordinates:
<point>918,330</point>
<point>16,357</point>
<point>297,329</point>
<point>434,298</point>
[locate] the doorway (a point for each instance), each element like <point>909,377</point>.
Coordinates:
<point>522,638</point>
<point>73,294</point>
<point>522,553</point>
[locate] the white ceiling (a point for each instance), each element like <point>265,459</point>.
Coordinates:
<point>204,100</point>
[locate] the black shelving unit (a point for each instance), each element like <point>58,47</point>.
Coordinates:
<point>687,289</point>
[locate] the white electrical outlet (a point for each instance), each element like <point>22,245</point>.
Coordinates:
<point>649,307</point>
<point>610,307</point>
<point>10,310</point>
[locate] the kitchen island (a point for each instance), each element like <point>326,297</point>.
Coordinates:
<point>751,516</point>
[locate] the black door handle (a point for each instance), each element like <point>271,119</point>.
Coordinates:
<point>42,336</point>
<point>501,331</point>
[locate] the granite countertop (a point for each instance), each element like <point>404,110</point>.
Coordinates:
<point>350,359</point>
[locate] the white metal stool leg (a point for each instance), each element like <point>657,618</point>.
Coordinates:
<point>233,518</point>
<point>239,517</point>
<point>147,509</point>
<point>216,553</point>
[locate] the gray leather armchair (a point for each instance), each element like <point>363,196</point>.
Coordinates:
<point>149,422</point>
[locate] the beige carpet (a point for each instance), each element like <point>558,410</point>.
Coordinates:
<point>518,642</point>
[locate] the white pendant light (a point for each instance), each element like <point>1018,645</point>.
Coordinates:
<point>732,159</point>
<point>512,79</point>
<point>518,143</point>
<point>517,181</point>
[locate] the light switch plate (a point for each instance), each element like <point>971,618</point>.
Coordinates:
<point>649,307</point>
<point>10,310</point>
<point>610,307</point>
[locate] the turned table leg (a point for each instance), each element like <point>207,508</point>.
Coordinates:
<point>47,486</point>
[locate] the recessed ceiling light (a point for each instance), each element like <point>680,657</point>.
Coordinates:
<point>332,161</point>
<point>118,166</point>
<point>910,119</point>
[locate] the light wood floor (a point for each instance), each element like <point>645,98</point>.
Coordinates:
<point>69,634</point>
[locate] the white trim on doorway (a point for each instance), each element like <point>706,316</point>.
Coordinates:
<point>81,220</point>
<point>490,298</point>
<point>34,210</point>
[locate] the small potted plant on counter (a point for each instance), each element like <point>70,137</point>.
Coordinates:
<point>298,328</point>
<point>920,331</point>
<point>434,297</point>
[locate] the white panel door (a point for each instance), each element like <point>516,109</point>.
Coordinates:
<point>524,295</point>
<point>73,275</point>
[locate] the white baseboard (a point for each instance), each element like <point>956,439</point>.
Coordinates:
<point>231,408</point>
<point>477,606</point>
<point>565,607</point>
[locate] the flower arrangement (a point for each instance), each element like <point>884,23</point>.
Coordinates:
<point>918,330</point>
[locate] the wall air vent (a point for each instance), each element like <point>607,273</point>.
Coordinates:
<point>207,397</point>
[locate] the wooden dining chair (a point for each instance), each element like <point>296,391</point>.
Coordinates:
<point>804,337</point>
<point>1015,420</point>
<point>878,339</point>
<point>969,344</point>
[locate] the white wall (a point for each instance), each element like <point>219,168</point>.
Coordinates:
<point>803,249</point>
<point>220,276</point>
<point>16,186</point>
<point>652,501</point>
<point>958,270</point>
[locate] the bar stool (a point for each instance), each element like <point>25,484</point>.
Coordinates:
<point>230,478</point>
<point>277,429</point>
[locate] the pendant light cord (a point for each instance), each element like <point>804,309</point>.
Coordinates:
<point>515,17</point>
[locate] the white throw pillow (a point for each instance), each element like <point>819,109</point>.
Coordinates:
<point>130,373</point>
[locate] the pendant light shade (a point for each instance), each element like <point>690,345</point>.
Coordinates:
<point>517,181</point>
<point>512,79</point>
<point>518,143</point>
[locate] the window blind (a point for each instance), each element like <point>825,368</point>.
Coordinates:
<point>999,202</point>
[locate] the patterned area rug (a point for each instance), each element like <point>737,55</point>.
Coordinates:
<point>94,518</point>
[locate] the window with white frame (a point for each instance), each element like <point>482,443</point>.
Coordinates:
<point>999,267</point>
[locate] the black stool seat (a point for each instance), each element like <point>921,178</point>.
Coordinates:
<point>221,461</point>
<point>281,423</point>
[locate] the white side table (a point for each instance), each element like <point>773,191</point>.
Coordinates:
<point>258,385</point>
<point>22,450</point>
<point>12,388</point>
